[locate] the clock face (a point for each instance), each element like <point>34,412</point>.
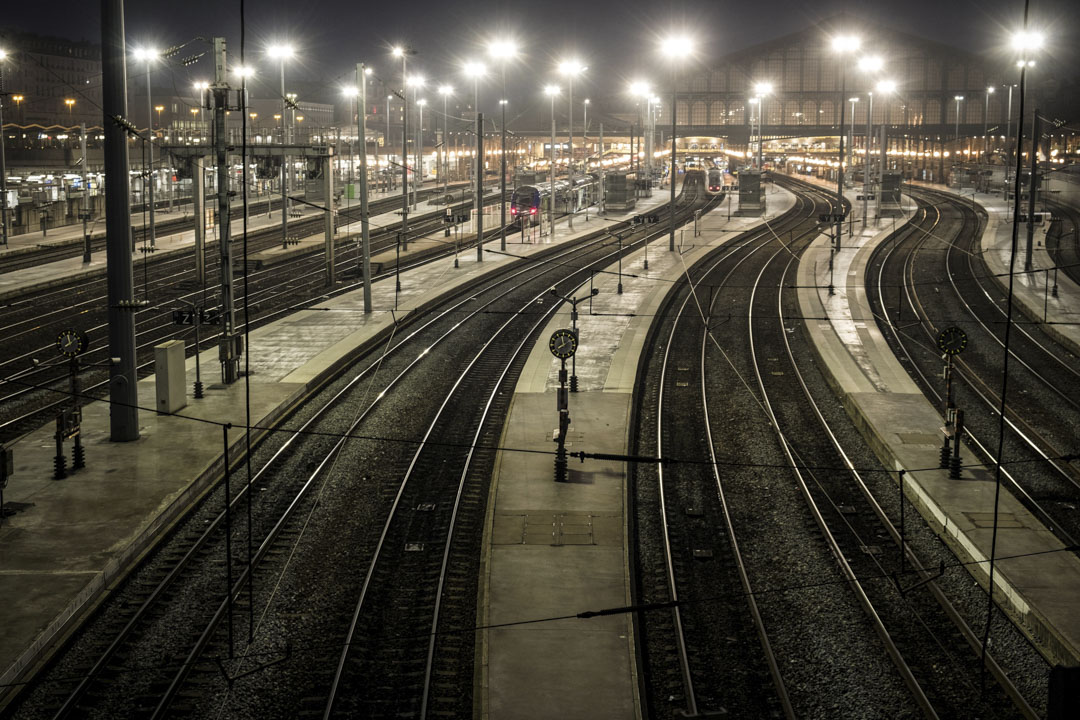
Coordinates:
<point>952,340</point>
<point>563,343</point>
<point>72,342</point>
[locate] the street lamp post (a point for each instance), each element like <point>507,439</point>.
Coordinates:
<point>675,48</point>
<point>1008,143</point>
<point>419,172</point>
<point>282,52</point>
<point>754,104</point>
<point>403,53</point>
<point>841,44</point>
<point>3,166</point>
<point>851,135</point>
<point>552,91</point>
<point>503,50</point>
<point>885,88</point>
<point>444,167</point>
<point>570,68</point>
<point>761,90</point>
<point>148,55</point>
<point>365,237</point>
<point>986,125</point>
<point>585,148</point>
<point>956,134</point>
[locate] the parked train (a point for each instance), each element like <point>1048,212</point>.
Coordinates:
<point>532,201</point>
<point>716,180</point>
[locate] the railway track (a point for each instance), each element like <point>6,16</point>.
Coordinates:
<point>929,276</point>
<point>928,644</point>
<point>319,505</point>
<point>34,392</point>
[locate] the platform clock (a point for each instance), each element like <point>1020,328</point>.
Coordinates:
<point>952,340</point>
<point>72,342</point>
<point>563,343</point>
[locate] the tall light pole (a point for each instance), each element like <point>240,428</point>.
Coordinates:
<point>570,68</point>
<point>403,53</point>
<point>475,70</point>
<point>551,91</point>
<point>444,167</point>
<point>1008,142</point>
<point>956,131</point>
<point>420,103</point>
<point>885,88</point>
<point>761,90</point>
<point>3,166</point>
<point>986,125</point>
<point>841,44</point>
<point>283,52</point>
<point>675,48</point>
<point>365,237</point>
<point>870,65</point>
<point>386,140</point>
<point>501,51</point>
<point>851,134</point>
<point>148,55</point>
<point>755,109</point>
<point>585,147</point>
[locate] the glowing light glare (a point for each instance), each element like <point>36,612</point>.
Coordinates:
<point>421,102</point>
<point>350,91</point>
<point>446,90</point>
<point>243,71</point>
<point>846,43</point>
<point>502,49</point>
<point>639,88</point>
<point>202,85</point>
<point>676,46</point>
<point>958,98</point>
<point>763,88</point>
<point>474,69</point>
<point>3,54</point>
<point>415,81</point>
<point>1027,40</point>
<point>551,89</point>
<point>571,67</point>
<point>886,86</point>
<point>281,51</point>
<point>398,51</point>
<point>871,63</point>
<point>145,54</point>
<point>990,90</point>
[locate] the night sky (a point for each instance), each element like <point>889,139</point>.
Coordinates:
<point>615,39</point>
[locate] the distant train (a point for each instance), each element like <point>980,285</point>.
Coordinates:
<point>716,180</point>
<point>532,201</point>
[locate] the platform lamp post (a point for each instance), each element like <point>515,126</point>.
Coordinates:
<point>986,123</point>
<point>551,91</point>
<point>585,148</point>
<point>841,45</point>
<point>571,68</point>
<point>501,51</point>
<point>420,104</point>
<point>444,168</point>
<point>851,137</point>
<point>282,53</point>
<point>886,89</point>
<point>639,90</point>
<point>404,53</point>
<point>870,64</point>
<point>416,82</point>
<point>675,48</point>
<point>148,55</point>
<point>761,91</point>
<point>956,131</point>
<point>474,70</point>
<point>3,166</point>
<point>1008,142</point>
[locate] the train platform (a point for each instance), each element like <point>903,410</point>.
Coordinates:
<point>556,549</point>
<point>51,274</point>
<point>1036,580</point>
<point>70,541</point>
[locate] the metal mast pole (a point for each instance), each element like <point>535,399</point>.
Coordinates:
<point>228,350</point>
<point>445,155</point>
<point>86,192</point>
<point>365,238</point>
<point>570,151</point>
<point>1036,129</point>
<point>284,168</point>
<point>123,391</point>
<point>551,174</point>
<point>502,182</point>
<point>839,156</point>
<point>674,172</point>
<point>3,165</point>
<point>150,152</point>
<point>866,168</point>
<point>1008,143</point>
<point>404,156</point>
<point>418,162</point>
<point>479,199</point>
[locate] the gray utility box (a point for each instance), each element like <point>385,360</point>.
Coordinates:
<point>169,372</point>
